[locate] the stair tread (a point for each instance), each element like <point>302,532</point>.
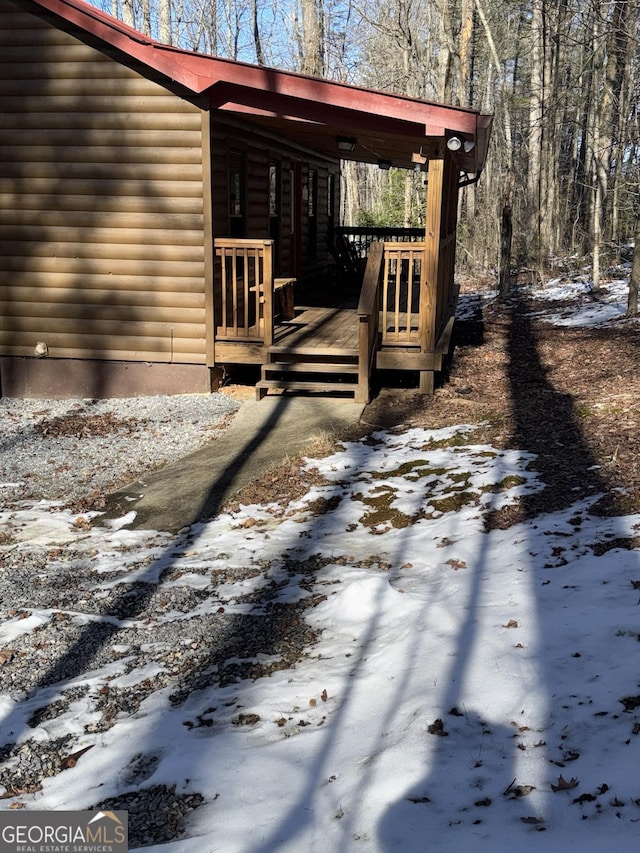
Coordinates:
<point>299,385</point>
<point>308,367</point>
<point>338,352</point>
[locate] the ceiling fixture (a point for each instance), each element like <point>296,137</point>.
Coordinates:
<point>385,164</point>
<point>346,143</point>
<point>454,143</point>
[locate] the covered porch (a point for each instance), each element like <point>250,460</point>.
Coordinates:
<point>387,323</point>
<point>398,311</point>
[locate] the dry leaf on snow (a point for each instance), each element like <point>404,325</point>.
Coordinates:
<point>563,785</point>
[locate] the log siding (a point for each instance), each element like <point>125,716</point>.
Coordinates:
<point>103,244</point>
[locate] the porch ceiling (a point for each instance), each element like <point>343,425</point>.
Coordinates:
<point>314,113</point>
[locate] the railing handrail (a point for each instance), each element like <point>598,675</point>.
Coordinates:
<point>368,302</point>
<point>376,230</point>
<point>369,316</point>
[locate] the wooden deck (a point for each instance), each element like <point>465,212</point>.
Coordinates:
<point>319,331</point>
<point>332,349</point>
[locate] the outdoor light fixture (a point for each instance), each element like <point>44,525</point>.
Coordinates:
<point>385,164</point>
<point>454,143</point>
<point>346,143</point>
<point>469,145</point>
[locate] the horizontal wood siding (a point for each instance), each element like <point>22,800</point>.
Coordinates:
<point>102,244</point>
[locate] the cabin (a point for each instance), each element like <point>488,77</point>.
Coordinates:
<point>166,215</point>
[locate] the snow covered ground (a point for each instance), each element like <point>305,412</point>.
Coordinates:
<point>469,690</point>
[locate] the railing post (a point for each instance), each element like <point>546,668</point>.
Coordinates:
<point>267,281</point>
<point>369,316</point>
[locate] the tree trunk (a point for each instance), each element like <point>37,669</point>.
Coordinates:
<point>312,42</point>
<point>506,236</point>
<point>634,281</point>
<point>127,13</point>
<point>165,22</point>
<point>257,42</point>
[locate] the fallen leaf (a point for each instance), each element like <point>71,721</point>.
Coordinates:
<point>482,803</point>
<point>571,755</point>
<point>313,703</point>
<point>585,798</point>
<point>563,785</point>
<point>324,695</point>
<point>511,624</point>
<point>535,821</point>
<point>437,728</point>
<point>517,791</point>
<point>72,760</point>
<point>245,720</point>
<point>456,564</point>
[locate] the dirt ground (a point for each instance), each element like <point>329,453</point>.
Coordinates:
<point>567,395</point>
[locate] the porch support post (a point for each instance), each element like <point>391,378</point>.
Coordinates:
<point>207,224</point>
<point>430,268</point>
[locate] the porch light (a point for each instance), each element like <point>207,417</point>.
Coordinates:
<point>454,143</point>
<point>385,164</point>
<point>346,143</point>
<point>469,145</point>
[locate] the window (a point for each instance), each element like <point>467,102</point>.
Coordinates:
<point>236,194</point>
<point>275,197</point>
<point>274,189</point>
<point>312,212</point>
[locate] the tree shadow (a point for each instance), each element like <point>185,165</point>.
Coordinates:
<point>545,423</point>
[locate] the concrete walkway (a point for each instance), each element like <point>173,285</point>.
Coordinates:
<point>261,435</point>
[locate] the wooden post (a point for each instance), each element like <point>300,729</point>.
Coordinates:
<point>207,207</point>
<point>430,268</point>
<point>267,272</point>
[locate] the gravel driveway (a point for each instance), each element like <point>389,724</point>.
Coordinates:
<point>75,451</point>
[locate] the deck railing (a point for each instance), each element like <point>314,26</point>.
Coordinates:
<point>243,290</point>
<point>360,238</point>
<point>401,288</point>
<point>369,316</point>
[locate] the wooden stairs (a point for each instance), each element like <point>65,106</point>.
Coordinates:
<point>306,370</point>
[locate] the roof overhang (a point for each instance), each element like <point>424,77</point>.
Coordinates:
<point>308,111</point>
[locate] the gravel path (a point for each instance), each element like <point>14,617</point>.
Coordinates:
<point>91,625</point>
<point>75,451</point>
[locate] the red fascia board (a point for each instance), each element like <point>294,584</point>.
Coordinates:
<point>318,93</point>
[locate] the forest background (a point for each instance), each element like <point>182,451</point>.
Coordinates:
<point>562,182</point>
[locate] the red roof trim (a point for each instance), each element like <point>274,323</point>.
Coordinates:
<point>241,87</point>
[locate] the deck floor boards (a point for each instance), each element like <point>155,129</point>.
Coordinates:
<point>324,329</point>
